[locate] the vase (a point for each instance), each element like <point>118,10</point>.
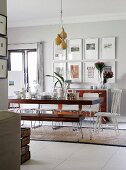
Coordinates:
<point>58,92</point>
<point>100,80</point>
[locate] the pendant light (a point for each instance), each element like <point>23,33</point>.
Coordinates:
<point>61,38</point>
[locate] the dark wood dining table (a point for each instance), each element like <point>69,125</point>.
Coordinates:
<point>80,102</point>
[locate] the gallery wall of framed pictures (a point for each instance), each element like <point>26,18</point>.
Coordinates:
<point>81,55</point>
<point>3,46</point>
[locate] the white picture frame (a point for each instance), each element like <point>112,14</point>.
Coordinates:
<point>58,53</point>
<point>90,72</point>
<point>75,51</point>
<point>3,47</point>
<point>74,71</point>
<point>108,48</point>
<point>3,25</point>
<point>91,48</point>
<point>60,68</point>
<point>3,68</point>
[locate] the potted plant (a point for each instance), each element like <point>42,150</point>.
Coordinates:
<point>100,66</point>
<point>59,79</point>
<point>107,75</point>
<point>58,91</point>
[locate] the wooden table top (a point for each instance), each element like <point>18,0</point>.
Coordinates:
<point>80,101</point>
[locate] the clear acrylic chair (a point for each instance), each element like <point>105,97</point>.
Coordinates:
<point>112,116</point>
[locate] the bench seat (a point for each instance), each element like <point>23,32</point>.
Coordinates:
<point>52,117</point>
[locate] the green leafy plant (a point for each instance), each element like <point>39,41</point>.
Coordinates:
<point>59,78</point>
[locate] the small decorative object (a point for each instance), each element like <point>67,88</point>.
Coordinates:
<point>61,38</point>
<point>71,96</point>
<point>100,66</point>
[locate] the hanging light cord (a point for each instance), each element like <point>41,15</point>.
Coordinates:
<point>61,16</point>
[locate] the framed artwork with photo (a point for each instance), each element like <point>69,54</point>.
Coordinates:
<point>90,72</point>
<point>108,48</point>
<point>75,49</point>
<point>60,68</point>
<point>58,53</point>
<point>3,68</point>
<point>3,25</point>
<point>3,46</point>
<point>91,48</point>
<point>74,71</point>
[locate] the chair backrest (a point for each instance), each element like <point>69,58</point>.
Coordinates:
<point>116,100</point>
<point>95,107</point>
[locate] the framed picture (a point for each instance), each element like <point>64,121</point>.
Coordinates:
<point>90,72</point>
<point>91,48</point>
<point>108,48</point>
<point>60,68</point>
<point>3,46</point>
<point>74,71</point>
<point>75,49</point>
<point>3,68</point>
<point>3,25</point>
<point>58,53</point>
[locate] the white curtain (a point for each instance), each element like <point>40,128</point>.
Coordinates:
<point>40,65</point>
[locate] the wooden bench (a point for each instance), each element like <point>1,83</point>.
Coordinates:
<point>54,117</point>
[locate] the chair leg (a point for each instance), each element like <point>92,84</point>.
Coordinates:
<point>80,125</point>
<point>117,127</point>
<point>96,123</point>
<point>99,123</point>
<point>115,123</point>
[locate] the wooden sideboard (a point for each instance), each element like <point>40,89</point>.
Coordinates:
<point>103,93</point>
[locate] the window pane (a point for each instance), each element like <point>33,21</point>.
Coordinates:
<point>32,67</point>
<point>16,61</point>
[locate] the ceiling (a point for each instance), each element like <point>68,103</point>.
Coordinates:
<point>41,12</point>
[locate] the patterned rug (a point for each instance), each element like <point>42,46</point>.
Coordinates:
<point>68,134</point>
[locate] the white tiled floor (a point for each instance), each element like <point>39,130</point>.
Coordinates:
<point>73,156</point>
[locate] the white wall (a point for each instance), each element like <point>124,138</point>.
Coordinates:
<point>3,82</point>
<point>83,30</point>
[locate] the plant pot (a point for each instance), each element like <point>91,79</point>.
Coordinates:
<point>58,92</point>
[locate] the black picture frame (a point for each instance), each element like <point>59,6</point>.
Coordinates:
<point>3,25</point>
<point>3,46</point>
<point>3,68</point>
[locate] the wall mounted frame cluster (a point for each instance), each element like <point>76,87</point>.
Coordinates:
<point>78,61</point>
<point>3,46</point>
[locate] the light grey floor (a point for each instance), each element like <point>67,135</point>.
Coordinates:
<point>72,156</point>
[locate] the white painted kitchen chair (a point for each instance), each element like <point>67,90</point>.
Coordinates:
<point>90,110</point>
<point>115,112</point>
